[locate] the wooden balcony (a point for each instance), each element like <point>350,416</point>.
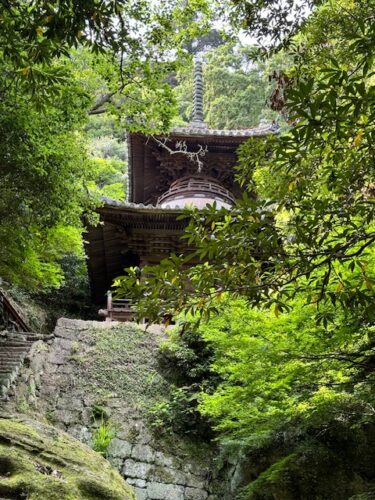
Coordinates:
<point>189,190</point>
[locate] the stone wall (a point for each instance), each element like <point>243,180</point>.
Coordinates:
<point>91,368</point>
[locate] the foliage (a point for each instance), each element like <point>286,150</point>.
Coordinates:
<point>236,87</point>
<point>178,414</point>
<point>185,361</point>
<point>285,278</point>
<point>295,399</point>
<point>107,143</point>
<point>287,370</point>
<point>102,437</point>
<point>43,174</point>
<point>311,227</point>
<point>34,34</point>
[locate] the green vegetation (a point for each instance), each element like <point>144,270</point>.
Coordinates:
<point>38,462</point>
<point>283,294</point>
<point>102,436</point>
<point>122,362</point>
<point>277,353</point>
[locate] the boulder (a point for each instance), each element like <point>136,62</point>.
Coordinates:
<point>39,461</point>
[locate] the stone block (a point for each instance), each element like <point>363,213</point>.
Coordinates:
<point>57,357</point>
<point>67,403</point>
<point>195,494</point>
<point>136,469</point>
<point>66,417</point>
<point>168,475</point>
<point>140,494</point>
<point>119,448</point>
<point>195,481</point>
<point>161,491</point>
<point>143,453</point>
<point>116,462</point>
<point>64,333</point>
<point>140,483</point>
<point>62,343</point>
<point>161,459</point>
<point>81,433</point>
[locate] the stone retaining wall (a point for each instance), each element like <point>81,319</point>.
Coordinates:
<point>58,383</point>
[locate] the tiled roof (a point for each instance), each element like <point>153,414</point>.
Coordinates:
<point>110,203</point>
<point>263,129</point>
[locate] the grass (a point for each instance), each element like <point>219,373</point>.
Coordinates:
<point>102,436</point>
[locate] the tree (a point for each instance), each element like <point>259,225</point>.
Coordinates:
<point>236,88</point>
<point>47,91</point>
<point>311,227</point>
<point>286,279</point>
<point>43,173</point>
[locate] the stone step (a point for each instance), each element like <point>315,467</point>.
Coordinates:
<point>13,362</point>
<point>14,343</point>
<point>13,350</point>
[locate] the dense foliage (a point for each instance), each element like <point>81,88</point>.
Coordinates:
<point>59,63</point>
<point>286,277</point>
<point>236,88</point>
<point>311,225</point>
<point>43,173</point>
<point>290,396</point>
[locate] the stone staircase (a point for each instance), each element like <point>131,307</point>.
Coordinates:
<point>14,347</point>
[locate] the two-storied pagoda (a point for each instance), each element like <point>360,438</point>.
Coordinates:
<point>163,179</point>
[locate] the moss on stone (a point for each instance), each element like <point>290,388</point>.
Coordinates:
<point>121,363</point>
<point>39,462</point>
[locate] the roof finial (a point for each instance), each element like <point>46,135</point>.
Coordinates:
<point>198,115</point>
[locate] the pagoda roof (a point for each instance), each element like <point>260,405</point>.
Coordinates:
<point>200,131</point>
<point>152,232</point>
<point>136,207</point>
<point>148,161</point>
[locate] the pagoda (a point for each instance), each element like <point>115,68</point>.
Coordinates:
<point>192,166</point>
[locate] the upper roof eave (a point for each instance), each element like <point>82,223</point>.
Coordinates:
<point>262,130</point>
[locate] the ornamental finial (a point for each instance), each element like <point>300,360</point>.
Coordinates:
<point>198,114</point>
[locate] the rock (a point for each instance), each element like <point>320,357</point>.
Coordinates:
<point>38,461</point>
<point>62,343</point>
<point>57,357</point>
<point>140,494</point>
<point>161,491</point>
<point>195,494</point>
<point>169,475</point>
<point>143,453</point>
<point>66,417</point>
<point>140,483</point>
<point>81,433</point>
<point>195,482</point>
<point>161,459</point>
<point>64,333</point>
<point>117,463</point>
<point>119,448</point>
<point>136,469</point>
<point>69,403</point>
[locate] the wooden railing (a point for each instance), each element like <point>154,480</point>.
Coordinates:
<point>196,186</point>
<point>117,309</point>
<point>11,317</point>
